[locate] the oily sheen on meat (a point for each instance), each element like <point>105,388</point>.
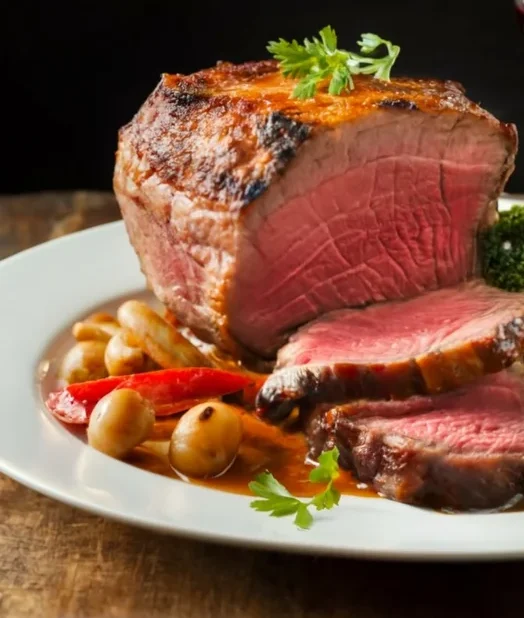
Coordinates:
<point>253,213</point>
<point>460,450</point>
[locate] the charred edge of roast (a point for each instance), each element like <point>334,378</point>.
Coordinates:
<point>181,100</point>
<point>282,136</point>
<point>398,104</point>
<point>273,131</point>
<point>309,385</point>
<point>509,342</point>
<point>403,470</point>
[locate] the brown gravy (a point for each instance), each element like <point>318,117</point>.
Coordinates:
<point>264,447</point>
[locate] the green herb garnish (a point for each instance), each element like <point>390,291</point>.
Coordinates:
<point>319,59</point>
<point>278,502</point>
<point>502,251</point>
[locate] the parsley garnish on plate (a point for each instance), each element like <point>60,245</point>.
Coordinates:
<point>319,59</point>
<point>278,502</point>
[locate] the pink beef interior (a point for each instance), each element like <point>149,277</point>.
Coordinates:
<point>486,418</point>
<point>386,208</point>
<point>387,332</point>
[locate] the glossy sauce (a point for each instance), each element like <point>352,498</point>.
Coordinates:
<point>264,447</point>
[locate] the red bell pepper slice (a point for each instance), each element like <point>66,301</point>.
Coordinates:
<point>169,390</point>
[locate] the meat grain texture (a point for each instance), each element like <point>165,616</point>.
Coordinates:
<point>253,213</point>
<point>433,343</point>
<point>460,450</point>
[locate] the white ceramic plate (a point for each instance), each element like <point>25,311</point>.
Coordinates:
<point>42,292</point>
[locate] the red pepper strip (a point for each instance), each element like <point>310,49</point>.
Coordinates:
<point>74,403</point>
<point>169,409</point>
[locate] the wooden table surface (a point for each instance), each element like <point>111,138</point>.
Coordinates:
<point>56,561</point>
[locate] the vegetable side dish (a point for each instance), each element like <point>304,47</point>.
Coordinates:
<point>139,401</point>
<point>343,302</point>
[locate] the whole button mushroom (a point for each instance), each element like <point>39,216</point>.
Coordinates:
<point>83,362</point>
<point>120,421</point>
<point>206,440</point>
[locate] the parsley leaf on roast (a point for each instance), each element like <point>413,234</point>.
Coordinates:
<point>319,59</point>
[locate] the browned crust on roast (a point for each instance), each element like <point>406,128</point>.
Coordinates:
<point>212,146</point>
<point>224,133</point>
<point>404,470</point>
<point>413,472</point>
<point>447,369</point>
<point>220,137</point>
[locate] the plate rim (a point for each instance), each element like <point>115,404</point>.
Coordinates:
<point>262,545</point>
<point>38,483</point>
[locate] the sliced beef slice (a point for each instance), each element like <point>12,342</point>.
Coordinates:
<point>429,344</point>
<point>461,450</point>
<point>252,213</point>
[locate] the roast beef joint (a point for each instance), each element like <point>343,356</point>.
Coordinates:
<point>335,239</point>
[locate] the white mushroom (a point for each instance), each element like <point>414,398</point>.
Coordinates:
<point>157,338</point>
<point>83,362</point>
<point>122,356</point>
<point>206,440</point>
<point>120,421</point>
<point>97,326</point>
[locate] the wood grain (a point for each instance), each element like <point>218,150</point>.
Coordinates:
<point>27,220</point>
<point>56,561</point>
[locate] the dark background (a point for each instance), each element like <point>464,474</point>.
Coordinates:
<point>72,76</point>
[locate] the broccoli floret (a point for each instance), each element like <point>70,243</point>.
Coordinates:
<point>502,251</point>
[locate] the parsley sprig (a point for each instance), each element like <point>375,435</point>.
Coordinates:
<point>278,502</point>
<point>319,59</point>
